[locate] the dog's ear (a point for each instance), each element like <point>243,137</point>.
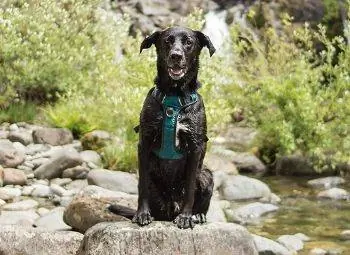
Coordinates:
<point>205,41</point>
<point>149,40</point>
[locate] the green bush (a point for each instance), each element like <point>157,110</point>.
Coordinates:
<point>297,97</point>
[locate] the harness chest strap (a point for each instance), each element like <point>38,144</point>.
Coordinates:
<point>172,106</point>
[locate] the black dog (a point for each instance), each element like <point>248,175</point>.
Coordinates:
<point>173,184</point>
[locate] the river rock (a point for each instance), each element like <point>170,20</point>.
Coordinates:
<point>16,240</point>
<point>113,180</point>
<point>217,163</point>
<point>215,212</point>
<point>4,134</point>
<point>291,242</point>
<point>52,220</point>
<point>18,217</point>
<point>250,212</point>
<point>238,138</point>
<point>240,187</point>
<point>86,211</point>
<point>33,149</point>
<point>53,136</point>
<point>118,197</point>
<point>41,190</point>
<point>166,238</point>
<point>58,190</point>
<point>60,181</point>
<point>326,182</point>
<point>23,205</point>
<point>77,172</point>
<point>334,193</point>
<point>267,246</point>
<point>248,162</point>
<point>345,235</point>
<point>22,136</point>
<point>14,176</point>
<point>64,159</point>
<point>9,155</point>
<point>90,156</point>
<point>302,237</point>
<point>294,165</point>
<point>13,127</point>
<point>42,211</point>
<point>318,251</point>
<point>7,193</point>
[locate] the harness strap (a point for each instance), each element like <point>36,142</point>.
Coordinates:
<point>172,106</point>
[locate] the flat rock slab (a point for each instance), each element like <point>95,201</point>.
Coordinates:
<point>166,238</point>
<point>326,182</point>
<point>53,136</point>
<point>16,240</point>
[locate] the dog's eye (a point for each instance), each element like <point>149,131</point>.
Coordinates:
<point>188,42</point>
<point>169,40</point>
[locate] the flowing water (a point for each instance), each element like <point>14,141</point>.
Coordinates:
<point>301,212</point>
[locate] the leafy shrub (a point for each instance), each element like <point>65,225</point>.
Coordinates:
<point>297,97</point>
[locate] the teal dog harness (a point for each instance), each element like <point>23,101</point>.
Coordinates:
<point>172,106</point>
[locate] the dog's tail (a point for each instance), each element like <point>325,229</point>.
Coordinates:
<point>124,211</point>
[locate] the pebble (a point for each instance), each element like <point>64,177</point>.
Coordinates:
<point>58,190</point>
<point>21,205</point>
<point>345,235</point>
<point>13,127</point>
<point>41,191</point>
<point>7,193</point>
<point>318,251</point>
<point>27,190</point>
<point>61,181</point>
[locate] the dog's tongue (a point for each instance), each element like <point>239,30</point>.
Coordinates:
<point>176,71</point>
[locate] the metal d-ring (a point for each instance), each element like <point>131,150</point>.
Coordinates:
<point>169,111</point>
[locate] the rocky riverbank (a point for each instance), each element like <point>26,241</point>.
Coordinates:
<point>53,191</point>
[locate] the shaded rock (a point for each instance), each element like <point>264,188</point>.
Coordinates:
<point>334,193</point>
<point>53,136</point>
<point>86,211</point>
<point>238,138</point>
<point>91,157</point>
<point>52,220</point>
<point>215,212</point>
<point>241,187</point>
<point>250,212</point>
<point>54,168</point>
<point>345,235</point>
<point>21,205</point>
<point>294,165</point>
<point>118,197</point>
<point>14,176</point>
<point>24,137</point>
<point>7,193</point>
<point>291,242</point>
<point>113,180</point>
<point>166,238</point>
<point>9,155</point>
<point>18,217</point>
<point>318,251</point>
<point>29,241</point>
<point>248,162</point>
<point>41,190</point>
<point>78,172</point>
<point>326,182</point>
<point>95,140</point>
<point>217,163</point>
<point>267,246</point>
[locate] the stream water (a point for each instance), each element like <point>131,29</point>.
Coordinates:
<point>301,212</point>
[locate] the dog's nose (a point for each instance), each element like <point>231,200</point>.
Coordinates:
<point>175,56</point>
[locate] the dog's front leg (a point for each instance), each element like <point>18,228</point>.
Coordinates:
<point>143,215</point>
<point>185,219</point>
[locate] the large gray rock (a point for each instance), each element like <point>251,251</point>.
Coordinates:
<point>86,211</point>
<point>240,187</point>
<point>218,163</point>
<point>334,193</point>
<point>250,212</point>
<point>62,160</point>
<point>91,156</point>
<point>326,182</point>
<point>113,180</point>
<point>118,197</point>
<point>18,217</point>
<point>53,136</point>
<point>270,247</point>
<point>22,136</point>
<point>52,220</point>
<point>291,242</point>
<point>16,240</point>
<point>248,162</point>
<point>9,155</point>
<point>166,238</point>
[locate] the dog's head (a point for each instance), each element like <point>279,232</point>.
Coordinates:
<point>178,49</point>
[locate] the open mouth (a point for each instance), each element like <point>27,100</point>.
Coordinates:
<point>176,73</point>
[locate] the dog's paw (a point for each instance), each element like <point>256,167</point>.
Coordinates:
<point>184,221</point>
<point>199,218</point>
<point>142,218</point>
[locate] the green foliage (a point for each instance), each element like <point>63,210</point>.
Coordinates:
<point>297,98</point>
<point>19,111</point>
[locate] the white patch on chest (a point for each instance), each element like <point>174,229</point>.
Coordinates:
<point>180,127</point>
